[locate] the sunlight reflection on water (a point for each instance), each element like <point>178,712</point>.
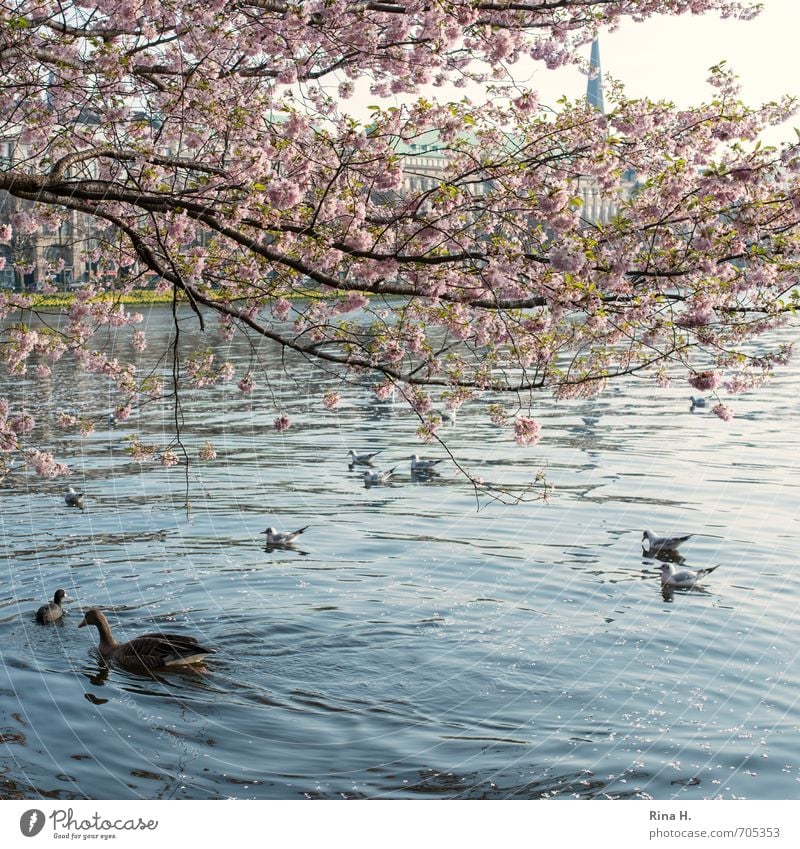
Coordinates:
<point>412,646</point>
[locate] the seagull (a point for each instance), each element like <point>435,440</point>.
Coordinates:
<point>655,544</point>
<point>112,420</point>
<point>371,478</point>
<point>685,578</point>
<point>73,498</point>
<point>418,465</point>
<point>362,459</point>
<point>283,537</point>
<point>697,402</point>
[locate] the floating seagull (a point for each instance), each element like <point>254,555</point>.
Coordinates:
<point>52,612</point>
<point>112,420</point>
<point>655,543</point>
<point>419,465</point>
<point>277,538</point>
<point>685,578</point>
<point>362,459</point>
<point>371,478</point>
<point>73,498</point>
<point>697,402</point>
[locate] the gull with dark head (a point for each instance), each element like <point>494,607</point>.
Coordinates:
<point>377,478</point>
<point>420,465</point>
<point>682,578</point>
<point>364,459</point>
<point>73,498</point>
<point>653,544</point>
<point>279,538</point>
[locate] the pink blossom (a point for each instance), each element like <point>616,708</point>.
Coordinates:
<point>282,423</point>
<point>207,452</point>
<point>138,340</point>
<point>22,423</point>
<point>140,452</point>
<point>122,413</point>
<point>226,328</point>
<point>45,465</point>
<point>284,194</point>
<point>497,415</point>
<point>427,430</point>
<point>384,390</point>
<point>567,258</point>
<point>331,400</point>
<point>247,384</point>
<point>526,431</point>
<point>43,371</point>
<point>8,442</point>
<point>24,223</point>
<point>705,380</point>
<point>281,308</point>
<point>66,420</point>
<point>169,458</point>
<point>723,411</point>
<point>739,383</point>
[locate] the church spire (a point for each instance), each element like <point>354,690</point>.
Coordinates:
<point>594,88</point>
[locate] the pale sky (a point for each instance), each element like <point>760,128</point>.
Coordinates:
<point>669,57</point>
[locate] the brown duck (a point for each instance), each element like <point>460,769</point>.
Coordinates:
<point>148,652</point>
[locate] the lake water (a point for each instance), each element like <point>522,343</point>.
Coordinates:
<point>414,646</point>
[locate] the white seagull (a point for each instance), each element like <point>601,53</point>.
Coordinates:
<point>419,465</point>
<point>371,478</point>
<point>656,544</point>
<point>362,459</point>
<point>283,537</point>
<point>73,498</point>
<point>685,578</point>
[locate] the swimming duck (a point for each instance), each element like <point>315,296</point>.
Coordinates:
<point>148,652</point>
<point>52,611</point>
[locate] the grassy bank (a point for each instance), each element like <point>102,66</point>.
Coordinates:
<point>138,298</point>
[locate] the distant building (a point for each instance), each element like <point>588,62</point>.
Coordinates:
<point>57,254</point>
<point>594,88</point>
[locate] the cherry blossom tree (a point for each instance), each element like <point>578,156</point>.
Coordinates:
<point>209,145</point>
